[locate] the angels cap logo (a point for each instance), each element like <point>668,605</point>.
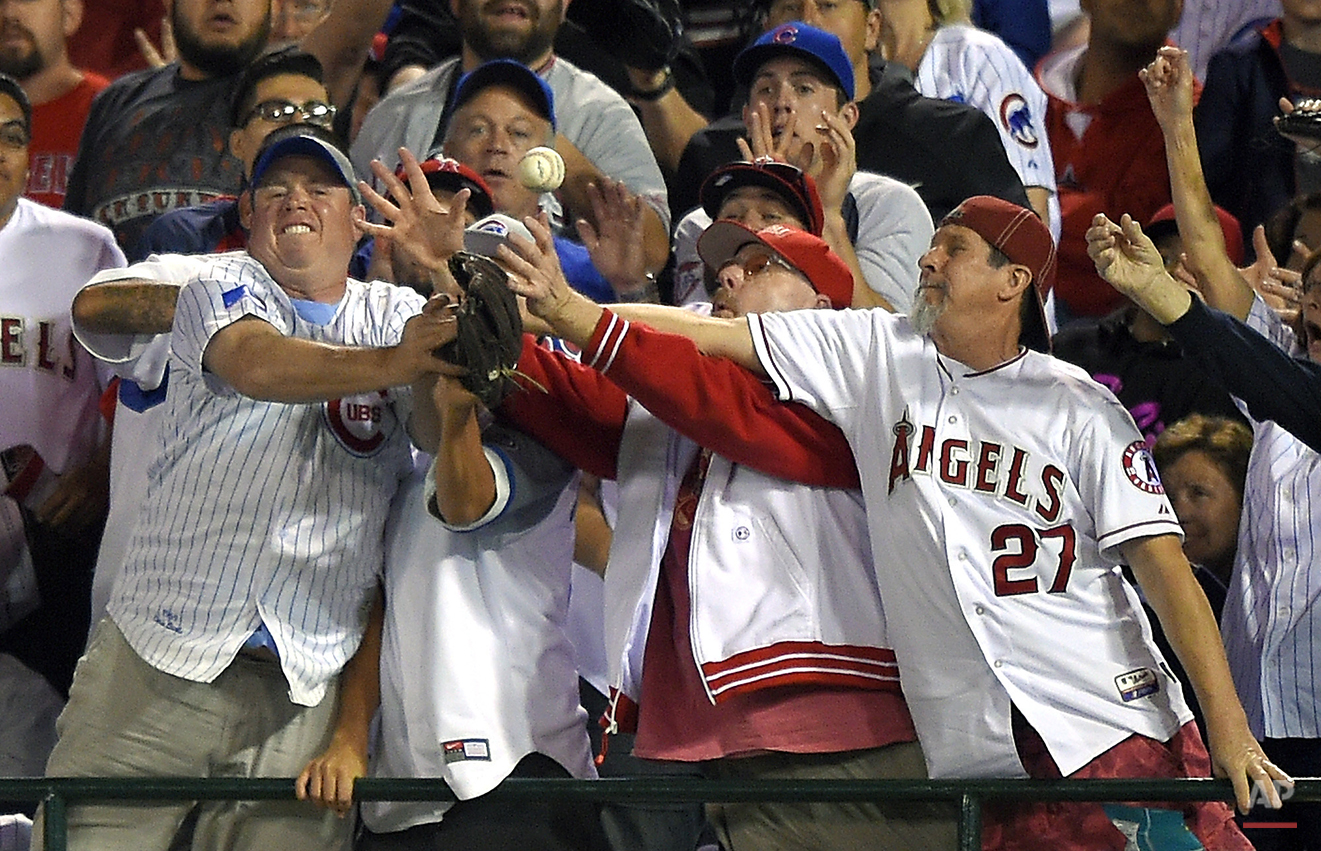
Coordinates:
<point>1017,119</point>
<point>778,230</point>
<point>358,422</point>
<point>1140,468</point>
<point>785,34</point>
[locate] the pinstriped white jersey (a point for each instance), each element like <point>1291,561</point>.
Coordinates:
<point>262,512</point>
<point>1207,26</point>
<point>972,66</point>
<point>1272,618</point>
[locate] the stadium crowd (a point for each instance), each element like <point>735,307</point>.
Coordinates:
<point>907,389</point>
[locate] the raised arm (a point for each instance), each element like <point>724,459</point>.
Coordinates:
<point>1249,366</point>
<point>580,173</point>
<point>465,483</point>
<point>1169,82</point>
<point>1167,582</point>
<point>342,41</point>
<point>715,402</point>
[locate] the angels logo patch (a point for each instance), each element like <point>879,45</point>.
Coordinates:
<point>360,423</point>
<point>1017,119</point>
<point>1140,468</point>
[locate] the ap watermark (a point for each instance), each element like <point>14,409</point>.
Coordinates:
<point>1261,797</point>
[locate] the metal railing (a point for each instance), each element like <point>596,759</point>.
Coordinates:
<point>59,792</point>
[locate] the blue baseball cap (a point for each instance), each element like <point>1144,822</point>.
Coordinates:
<point>506,72</point>
<point>796,38</point>
<point>307,140</point>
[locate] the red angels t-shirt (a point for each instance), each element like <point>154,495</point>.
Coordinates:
<point>56,127</point>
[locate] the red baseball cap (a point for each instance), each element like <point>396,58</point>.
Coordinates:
<point>807,253</point>
<point>1022,237</point>
<point>795,187</point>
<point>1163,224</point>
<point>450,175</point>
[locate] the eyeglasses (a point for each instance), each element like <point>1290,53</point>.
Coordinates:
<point>14,135</point>
<point>755,264</point>
<point>305,10</point>
<point>315,112</point>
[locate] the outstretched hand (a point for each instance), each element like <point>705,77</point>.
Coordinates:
<point>1280,288</point>
<point>415,355</point>
<point>430,231</point>
<point>535,269</point>
<point>1126,258</point>
<point>615,244</point>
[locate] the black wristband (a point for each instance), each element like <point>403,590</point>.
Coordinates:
<point>652,95</point>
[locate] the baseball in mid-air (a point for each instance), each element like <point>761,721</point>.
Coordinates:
<point>541,170</point>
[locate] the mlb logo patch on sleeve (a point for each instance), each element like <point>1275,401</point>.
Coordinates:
<point>460,750</point>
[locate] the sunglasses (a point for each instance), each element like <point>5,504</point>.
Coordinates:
<point>755,264</point>
<point>315,112</point>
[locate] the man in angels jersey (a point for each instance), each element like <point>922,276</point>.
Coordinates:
<point>1001,540</point>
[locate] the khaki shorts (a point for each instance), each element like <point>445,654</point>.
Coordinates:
<point>127,719</point>
<point>770,826</point>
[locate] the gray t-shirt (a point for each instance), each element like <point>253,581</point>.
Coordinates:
<point>589,114</point>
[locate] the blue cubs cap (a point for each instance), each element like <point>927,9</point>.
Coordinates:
<point>307,140</point>
<point>796,38</point>
<point>507,72</point>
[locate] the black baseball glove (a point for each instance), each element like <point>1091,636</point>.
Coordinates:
<point>640,33</point>
<point>490,329</point>
<point>1304,123</point>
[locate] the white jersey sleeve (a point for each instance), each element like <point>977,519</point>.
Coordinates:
<point>226,293</point>
<point>140,357</point>
<point>1116,477</point>
<point>817,357</point>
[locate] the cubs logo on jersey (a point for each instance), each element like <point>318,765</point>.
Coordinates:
<point>1017,119</point>
<point>360,423</point>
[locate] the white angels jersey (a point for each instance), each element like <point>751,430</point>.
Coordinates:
<point>48,382</point>
<point>999,499</point>
<point>262,512</point>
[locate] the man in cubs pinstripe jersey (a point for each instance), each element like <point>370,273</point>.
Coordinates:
<point>256,557</point>
<point>952,59</point>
